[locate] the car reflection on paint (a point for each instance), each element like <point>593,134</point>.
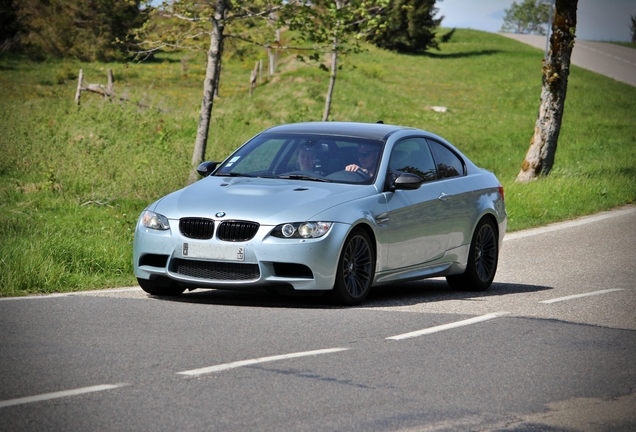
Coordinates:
<point>326,207</point>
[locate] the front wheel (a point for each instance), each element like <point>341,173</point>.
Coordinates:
<point>482,260</point>
<point>356,268</point>
<point>160,287</point>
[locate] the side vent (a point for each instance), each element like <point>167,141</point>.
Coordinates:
<point>153,260</point>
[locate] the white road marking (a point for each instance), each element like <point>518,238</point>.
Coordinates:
<point>72,293</point>
<point>60,394</point>
<point>607,54</point>
<point>241,363</point>
<point>570,224</point>
<point>575,296</point>
<point>448,326</point>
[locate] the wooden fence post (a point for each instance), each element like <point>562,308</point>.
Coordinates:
<point>272,62</point>
<point>253,75</point>
<point>109,88</point>
<point>78,93</point>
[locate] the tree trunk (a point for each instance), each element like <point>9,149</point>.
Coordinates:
<point>210,85</point>
<point>334,66</point>
<point>332,81</point>
<point>556,69</point>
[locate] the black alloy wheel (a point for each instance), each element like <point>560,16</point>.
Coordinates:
<point>482,260</point>
<point>356,268</point>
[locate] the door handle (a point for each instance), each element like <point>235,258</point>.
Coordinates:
<point>444,196</point>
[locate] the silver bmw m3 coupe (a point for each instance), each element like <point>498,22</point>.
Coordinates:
<point>326,207</point>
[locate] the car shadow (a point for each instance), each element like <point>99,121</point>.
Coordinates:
<point>397,294</point>
<point>435,290</point>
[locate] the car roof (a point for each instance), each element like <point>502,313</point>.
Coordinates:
<point>376,131</point>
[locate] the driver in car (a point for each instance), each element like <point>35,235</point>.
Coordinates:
<point>368,158</point>
<point>307,159</point>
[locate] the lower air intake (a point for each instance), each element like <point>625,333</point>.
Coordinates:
<point>216,271</point>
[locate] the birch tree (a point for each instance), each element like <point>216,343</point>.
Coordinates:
<point>185,24</point>
<point>333,27</point>
<point>556,70</point>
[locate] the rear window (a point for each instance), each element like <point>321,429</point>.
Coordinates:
<point>448,163</point>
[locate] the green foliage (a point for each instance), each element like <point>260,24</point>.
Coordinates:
<point>9,25</point>
<point>326,25</point>
<point>74,180</point>
<point>84,29</point>
<point>530,16</point>
<point>188,25</point>
<point>632,28</point>
<point>406,26</point>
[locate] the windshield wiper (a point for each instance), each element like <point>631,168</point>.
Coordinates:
<point>233,174</point>
<point>303,177</point>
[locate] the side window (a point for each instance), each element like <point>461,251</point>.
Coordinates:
<point>448,163</point>
<point>412,155</point>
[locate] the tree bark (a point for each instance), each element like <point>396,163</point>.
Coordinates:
<point>334,69</point>
<point>210,85</point>
<point>332,81</point>
<point>556,70</point>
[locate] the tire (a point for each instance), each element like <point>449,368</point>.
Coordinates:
<point>482,260</point>
<point>160,287</point>
<point>356,268</point>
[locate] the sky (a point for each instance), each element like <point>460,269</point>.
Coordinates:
<point>597,20</point>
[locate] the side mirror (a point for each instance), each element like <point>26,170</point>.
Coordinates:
<point>206,168</point>
<point>407,181</point>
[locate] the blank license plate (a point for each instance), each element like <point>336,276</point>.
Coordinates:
<point>213,252</point>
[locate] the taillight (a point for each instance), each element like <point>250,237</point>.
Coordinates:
<point>501,192</point>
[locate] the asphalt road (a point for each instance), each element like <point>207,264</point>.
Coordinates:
<point>607,59</point>
<point>550,347</point>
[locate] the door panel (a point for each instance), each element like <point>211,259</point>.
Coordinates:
<point>418,222</point>
<point>419,226</point>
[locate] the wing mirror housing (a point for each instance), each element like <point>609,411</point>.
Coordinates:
<point>206,168</point>
<point>407,181</point>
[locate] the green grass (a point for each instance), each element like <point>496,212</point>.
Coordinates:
<point>625,44</point>
<point>73,180</point>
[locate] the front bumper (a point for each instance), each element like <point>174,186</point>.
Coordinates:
<point>263,261</point>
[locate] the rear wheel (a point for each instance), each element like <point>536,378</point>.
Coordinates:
<point>482,260</point>
<point>356,268</point>
<point>160,287</point>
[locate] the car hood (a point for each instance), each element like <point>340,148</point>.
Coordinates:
<point>267,201</point>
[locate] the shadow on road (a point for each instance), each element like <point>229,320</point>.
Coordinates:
<point>398,294</point>
<point>435,290</point>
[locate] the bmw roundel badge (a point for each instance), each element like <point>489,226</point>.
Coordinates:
<point>220,214</point>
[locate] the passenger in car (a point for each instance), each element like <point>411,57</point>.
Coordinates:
<point>368,159</point>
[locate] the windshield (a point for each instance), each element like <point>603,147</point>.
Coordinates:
<point>306,157</point>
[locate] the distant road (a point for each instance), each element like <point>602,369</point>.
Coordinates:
<point>607,59</point>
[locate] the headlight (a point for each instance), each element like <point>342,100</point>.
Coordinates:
<point>154,221</point>
<point>302,230</point>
